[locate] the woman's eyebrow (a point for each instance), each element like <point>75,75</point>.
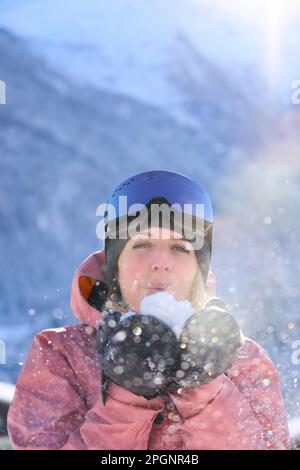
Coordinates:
<point>147,234</point>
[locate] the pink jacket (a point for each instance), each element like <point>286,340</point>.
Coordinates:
<point>57,404</point>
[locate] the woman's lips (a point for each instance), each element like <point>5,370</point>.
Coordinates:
<point>154,288</point>
<point>157,288</point>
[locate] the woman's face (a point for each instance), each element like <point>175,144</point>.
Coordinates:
<point>157,263</point>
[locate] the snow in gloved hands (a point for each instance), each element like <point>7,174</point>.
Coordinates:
<point>165,307</point>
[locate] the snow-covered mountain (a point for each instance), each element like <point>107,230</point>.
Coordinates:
<point>161,52</point>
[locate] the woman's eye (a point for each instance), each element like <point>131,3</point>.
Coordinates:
<point>182,249</point>
<point>139,245</point>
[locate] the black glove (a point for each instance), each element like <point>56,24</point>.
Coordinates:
<point>209,343</point>
<point>138,352</point>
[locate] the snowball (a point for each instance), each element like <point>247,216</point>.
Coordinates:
<point>164,306</point>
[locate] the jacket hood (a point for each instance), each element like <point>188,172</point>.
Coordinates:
<point>86,275</point>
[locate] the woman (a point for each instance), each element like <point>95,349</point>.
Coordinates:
<point>128,379</point>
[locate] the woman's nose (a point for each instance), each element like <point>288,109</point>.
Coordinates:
<point>161,263</point>
<point>159,268</point>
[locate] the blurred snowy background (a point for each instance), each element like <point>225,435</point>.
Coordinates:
<point>99,90</point>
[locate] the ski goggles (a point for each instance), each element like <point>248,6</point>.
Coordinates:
<point>181,192</point>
